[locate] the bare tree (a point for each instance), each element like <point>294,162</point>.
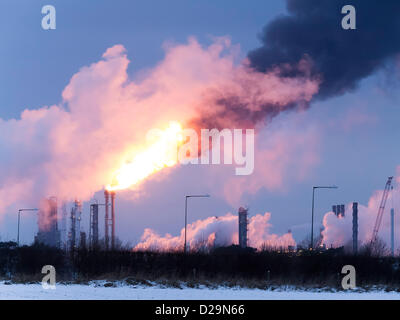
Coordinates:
<point>375,249</point>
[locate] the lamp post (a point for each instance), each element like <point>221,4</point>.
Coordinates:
<point>186,199</point>
<point>312,211</point>
<point>19,218</point>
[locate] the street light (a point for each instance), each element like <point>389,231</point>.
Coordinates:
<point>312,211</point>
<point>186,198</point>
<point>19,218</point>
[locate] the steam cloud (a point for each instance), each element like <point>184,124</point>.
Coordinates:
<point>338,231</point>
<point>72,149</point>
<point>214,232</point>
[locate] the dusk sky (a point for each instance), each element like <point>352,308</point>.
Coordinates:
<point>348,140</point>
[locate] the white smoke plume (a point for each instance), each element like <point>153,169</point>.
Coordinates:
<point>338,231</point>
<point>72,149</point>
<point>216,232</point>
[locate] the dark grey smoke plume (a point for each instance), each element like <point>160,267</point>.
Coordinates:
<point>312,32</point>
<point>341,57</point>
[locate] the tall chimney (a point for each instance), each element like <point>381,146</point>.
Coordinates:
<point>78,218</point>
<point>72,234</point>
<point>94,226</point>
<point>106,236</point>
<point>355,227</point>
<point>242,227</point>
<point>113,219</point>
<point>392,231</point>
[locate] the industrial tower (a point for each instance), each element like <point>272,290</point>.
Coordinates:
<point>243,227</point>
<point>75,231</point>
<point>339,210</point>
<point>109,223</point>
<point>94,226</point>
<point>355,227</point>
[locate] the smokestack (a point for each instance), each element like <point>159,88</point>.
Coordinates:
<point>78,218</point>
<point>82,239</point>
<point>392,231</point>
<point>106,237</point>
<point>94,226</point>
<point>63,231</point>
<point>338,210</point>
<point>243,227</point>
<point>113,220</point>
<point>355,227</point>
<point>72,234</point>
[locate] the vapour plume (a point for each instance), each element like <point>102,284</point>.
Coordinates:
<point>216,232</point>
<point>338,231</point>
<point>340,58</point>
<point>285,151</point>
<point>47,217</point>
<point>72,149</point>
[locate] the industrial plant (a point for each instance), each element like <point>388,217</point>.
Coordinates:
<point>87,253</point>
<point>56,232</point>
<point>53,234</point>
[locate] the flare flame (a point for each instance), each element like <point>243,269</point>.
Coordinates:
<point>160,154</point>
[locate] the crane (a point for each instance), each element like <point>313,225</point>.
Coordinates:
<point>381,210</point>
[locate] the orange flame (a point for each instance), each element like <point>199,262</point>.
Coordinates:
<point>160,154</point>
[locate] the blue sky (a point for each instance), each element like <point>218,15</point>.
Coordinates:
<point>36,65</point>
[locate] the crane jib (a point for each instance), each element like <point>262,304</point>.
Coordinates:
<point>381,210</point>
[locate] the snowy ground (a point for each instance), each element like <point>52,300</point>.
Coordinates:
<point>123,292</point>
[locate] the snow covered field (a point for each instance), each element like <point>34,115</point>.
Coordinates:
<point>124,292</point>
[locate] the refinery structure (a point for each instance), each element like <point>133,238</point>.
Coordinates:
<point>56,231</point>
<point>54,234</point>
<point>48,231</point>
<point>71,236</point>
<point>243,224</point>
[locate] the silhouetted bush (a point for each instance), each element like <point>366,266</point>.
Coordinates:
<point>231,265</point>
